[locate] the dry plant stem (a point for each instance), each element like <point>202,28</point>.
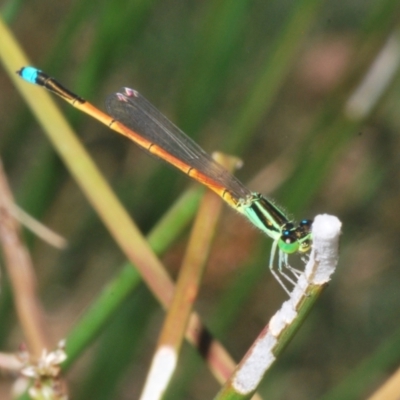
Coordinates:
<point>40,230</point>
<point>389,390</point>
<point>103,200</point>
<point>172,334</point>
<point>377,79</point>
<point>20,270</point>
<point>282,326</point>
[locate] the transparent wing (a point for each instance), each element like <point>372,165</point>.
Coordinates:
<point>133,110</point>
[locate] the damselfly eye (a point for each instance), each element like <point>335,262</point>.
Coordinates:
<point>306,223</point>
<point>288,242</point>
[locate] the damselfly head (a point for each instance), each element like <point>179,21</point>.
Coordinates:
<point>296,239</point>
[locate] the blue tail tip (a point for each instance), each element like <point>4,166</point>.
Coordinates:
<point>29,74</point>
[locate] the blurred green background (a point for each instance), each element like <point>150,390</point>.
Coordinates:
<point>277,83</point>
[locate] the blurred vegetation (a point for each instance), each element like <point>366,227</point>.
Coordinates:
<point>270,82</point>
